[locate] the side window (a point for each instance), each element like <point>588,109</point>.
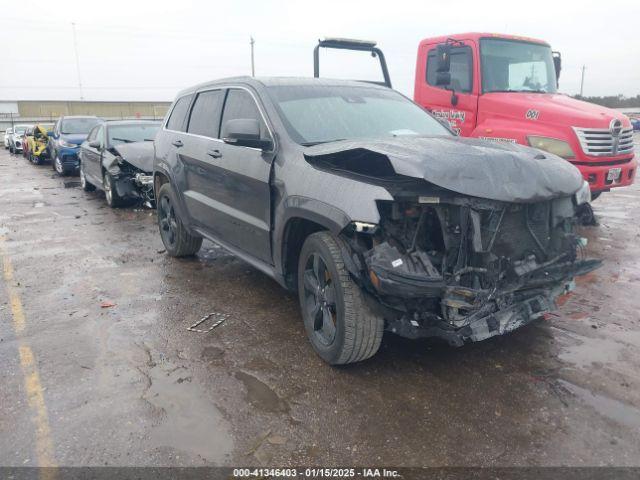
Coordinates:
<point>92,134</point>
<point>205,114</point>
<point>240,104</point>
<point>461,69</point>
<point>99,135</point>
<point>176,120</point>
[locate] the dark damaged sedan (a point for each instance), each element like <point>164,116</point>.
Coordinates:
<point>371,209</point>
<point>117,157</point>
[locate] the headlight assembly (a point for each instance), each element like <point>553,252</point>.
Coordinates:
<point>583,195</point>
<point>65,144</point>
<point>551,145</point>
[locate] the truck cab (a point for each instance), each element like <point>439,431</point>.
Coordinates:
<point>505,88</point>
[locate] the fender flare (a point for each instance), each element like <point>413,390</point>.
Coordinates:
<point>328,216</point>
<point>163,169</point>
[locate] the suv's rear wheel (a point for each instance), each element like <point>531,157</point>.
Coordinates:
<point>177,240</point>
<point>339,324</point>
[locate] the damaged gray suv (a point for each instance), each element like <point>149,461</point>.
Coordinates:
<point>374,212</point>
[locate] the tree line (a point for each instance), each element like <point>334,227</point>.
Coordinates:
<point>613,101</point>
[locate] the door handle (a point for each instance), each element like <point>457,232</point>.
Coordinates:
<point>177,143</point>
<point>214,153</point>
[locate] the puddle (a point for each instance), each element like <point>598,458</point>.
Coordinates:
<point>189,422</point>
<point>613,409</point>
<point>261,395</point>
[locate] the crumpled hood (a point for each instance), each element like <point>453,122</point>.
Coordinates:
<point>138,154</point>
<point>497,171</point>
<point>552,108</point>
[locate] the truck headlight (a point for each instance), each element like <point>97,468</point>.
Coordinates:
<point>584,194</point>
<point>551,145</point>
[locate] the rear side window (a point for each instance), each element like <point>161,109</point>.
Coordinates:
<point>205,114</point>
<point>461,69</point>
<point>92,134</point>
<point>240,104</point>
<point>176,120</point>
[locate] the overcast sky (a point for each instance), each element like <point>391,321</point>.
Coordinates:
<point>148,50</point>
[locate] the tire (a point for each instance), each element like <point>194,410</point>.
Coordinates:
<point>357,330</point>
<point>35,160</point>
<point>595,195</point>
<point>86,186</point>
<point>110,192</point>
<point>11,150</point>
<point>175,237</point>
<point>58,167</point>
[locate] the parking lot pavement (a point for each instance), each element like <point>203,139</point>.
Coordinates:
<point>97,366</point>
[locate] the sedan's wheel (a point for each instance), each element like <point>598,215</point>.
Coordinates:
<point>341,327</point>
<point>177,240</point>
<point>57,166</point>
<point>110,192</point>
<point>86,186</point>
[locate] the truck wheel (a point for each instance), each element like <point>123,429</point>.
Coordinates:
<point>341,327</point>
<point>177,240</point>
<point>86,186</point>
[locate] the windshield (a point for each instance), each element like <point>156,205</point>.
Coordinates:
<point>131,133</point>
<point>78,126</point>
<point>20,130</point>
<point>516,66</point>
<point>315,114</point>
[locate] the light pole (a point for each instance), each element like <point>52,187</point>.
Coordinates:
<point>253,68</point>
<point>75,47</point>
<point>582,80</point>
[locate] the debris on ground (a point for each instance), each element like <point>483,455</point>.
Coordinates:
<point>218,318</point>
<point>107,304</point>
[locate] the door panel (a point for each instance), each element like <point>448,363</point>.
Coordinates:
<point>463,116</point>
<point>228,190</point>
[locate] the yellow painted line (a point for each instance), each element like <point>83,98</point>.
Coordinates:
<point>35,394</point>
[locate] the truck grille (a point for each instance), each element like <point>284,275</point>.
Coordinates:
<point>600,142</point>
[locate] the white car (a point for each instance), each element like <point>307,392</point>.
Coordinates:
<point>7,134</point>
<point>16,139</point>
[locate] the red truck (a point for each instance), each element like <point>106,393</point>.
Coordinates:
<point>504,88</point>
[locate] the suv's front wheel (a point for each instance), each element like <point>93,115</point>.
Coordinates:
<point>177,240</point>
<point>339,324</point>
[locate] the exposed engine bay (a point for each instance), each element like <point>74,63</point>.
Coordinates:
<point>131,167</point>
<point>466,269</point>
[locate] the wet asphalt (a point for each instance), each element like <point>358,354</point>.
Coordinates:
<point>112,376</point>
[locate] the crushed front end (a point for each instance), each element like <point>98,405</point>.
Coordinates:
<point>462,268</point>
<point>131,182</point>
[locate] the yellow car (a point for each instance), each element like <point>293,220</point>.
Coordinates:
<point>38,143</point>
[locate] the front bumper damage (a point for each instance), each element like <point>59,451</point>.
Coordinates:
<point>131,183</point>
<point>464,269</point>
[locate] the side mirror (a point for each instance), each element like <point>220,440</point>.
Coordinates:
<point>95,144</point>
<point>557,64</point>
<point>244,132</point>
<point>443,51</point>
<point>443,79</point>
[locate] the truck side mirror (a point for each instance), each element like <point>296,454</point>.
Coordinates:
<point>443,51</point>
<point>443,79</point>
<point>557,64</point>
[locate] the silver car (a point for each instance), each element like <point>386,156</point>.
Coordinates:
<point>7,134</point>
